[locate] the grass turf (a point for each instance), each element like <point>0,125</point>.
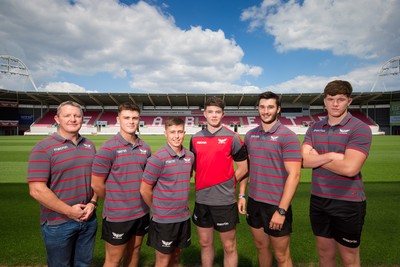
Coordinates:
<point>22,244</point>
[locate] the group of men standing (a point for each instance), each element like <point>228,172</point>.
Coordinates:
<point>147,192</point>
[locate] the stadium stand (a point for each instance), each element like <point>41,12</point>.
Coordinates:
<point>31,113</point>
<point>104,123</point>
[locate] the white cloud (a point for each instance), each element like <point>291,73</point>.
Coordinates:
<point>362,28</point>
<point>62,87</point>
<point>363,79</point>
<point>136,41</point>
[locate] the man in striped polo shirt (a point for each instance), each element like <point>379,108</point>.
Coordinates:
<point>274,171</point>
<point>59,173</point>
<point>117,173</point>
<point>216,149</point>
<point>336,148</point>
<point>165,188</point>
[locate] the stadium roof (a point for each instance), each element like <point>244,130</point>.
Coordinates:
<point>182,100</point>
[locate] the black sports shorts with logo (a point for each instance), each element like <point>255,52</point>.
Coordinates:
<point>165,237</point>
<point>222,218</point>
<point>118,233</point>
<point>338,219</point>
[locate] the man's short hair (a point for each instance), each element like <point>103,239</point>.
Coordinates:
<point>338,87</point>
<point>128,106</point>
<point>170,121</point>
<point>215,101</point>
<point>69,103</point>
<point>269,95</point>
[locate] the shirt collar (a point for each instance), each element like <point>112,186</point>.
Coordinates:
<point>126,143</point>
<point>273,129</point>
<point>172,153</point>
<point>341,123</point>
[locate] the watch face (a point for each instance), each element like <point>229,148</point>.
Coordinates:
<point>281,211</point>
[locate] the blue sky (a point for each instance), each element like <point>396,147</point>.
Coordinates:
<point>200,46</point>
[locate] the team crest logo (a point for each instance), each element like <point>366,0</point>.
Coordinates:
<point>274,138</point>
<point>143,151</point>
<point>166,244</point>
<point>343,131</point>
<point>117,236</point>
<point>186,160</point>
<point>87,145</point>
<point>222,141</point>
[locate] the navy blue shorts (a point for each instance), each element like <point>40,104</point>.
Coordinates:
<point>338,219</point>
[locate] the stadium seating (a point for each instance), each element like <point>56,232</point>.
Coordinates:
<point>105,123</point>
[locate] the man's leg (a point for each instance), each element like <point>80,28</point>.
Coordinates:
<point>60,242</point>
<point>261,241</point>
<point>114,254</point>
<point>281,247</point>
<point>85,243</point>
<point>326,251</point>
<point>228,240</point>
<point>132,253</point>
<point>206,238</point>
<point>350,256</point>
<point>174,261</point>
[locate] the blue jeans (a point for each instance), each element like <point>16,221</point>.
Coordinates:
<point>70,243</point>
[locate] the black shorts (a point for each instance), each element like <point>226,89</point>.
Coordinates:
<point>338,219</point>
<point>259,215</point>
<point>165,237</point>
<point>222,218</point>
<point>118,233</point>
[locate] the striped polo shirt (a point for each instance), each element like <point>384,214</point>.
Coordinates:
<point>268,152</point>
<point>215,175</point>
<point>66,168</point>
<point>122,164</point>
<point>170,174</point>
<point>350,133</point>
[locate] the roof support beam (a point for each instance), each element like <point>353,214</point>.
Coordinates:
<point>240,100</point>
<point>296,99</point>
<point>169,101</point>
<point>96,100</point>
<point>151,100</point>
<point>76,99</point>
<point>132,99</point>
<point>113,99</point>
<point>315,99</point>
<point>56,98</point>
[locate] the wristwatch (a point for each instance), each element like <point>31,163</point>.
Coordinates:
<point>94,203</point>
<point>282,211</point>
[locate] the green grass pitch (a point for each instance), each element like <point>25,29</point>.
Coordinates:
<point>21,243</point>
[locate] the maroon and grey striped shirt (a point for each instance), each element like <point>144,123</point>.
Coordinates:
<point>122,164</point>
<point>66,168</point>
<point>350,133</point>
<point>268,152</point>
<point>170,174</point>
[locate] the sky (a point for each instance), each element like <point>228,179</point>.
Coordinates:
<point>199,46</point>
